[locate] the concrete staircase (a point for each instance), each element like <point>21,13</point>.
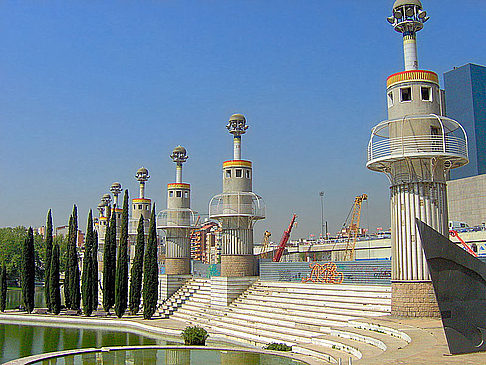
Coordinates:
<point>181,296</point>
<point>323,320</point>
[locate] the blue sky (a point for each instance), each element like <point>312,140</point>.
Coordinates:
<point>90,91</point>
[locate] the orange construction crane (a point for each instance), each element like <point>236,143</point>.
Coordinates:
<point>353,227</point>
<point>283,241</point>
<point>265,245</point>
<point>464,244</point>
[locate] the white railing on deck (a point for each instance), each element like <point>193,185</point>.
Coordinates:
<point>415,146</point>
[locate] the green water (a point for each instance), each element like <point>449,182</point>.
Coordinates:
<point>14,298</point>
<point>171,357</point>
<point>19,341</point>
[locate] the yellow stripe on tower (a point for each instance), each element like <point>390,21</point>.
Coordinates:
<point>237,163</point>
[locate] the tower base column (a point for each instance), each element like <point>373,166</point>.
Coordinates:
<point>237,265</point>
<point>178,266</point>
<point>414,299</point>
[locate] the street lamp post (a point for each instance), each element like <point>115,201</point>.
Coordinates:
<point>321,194</point>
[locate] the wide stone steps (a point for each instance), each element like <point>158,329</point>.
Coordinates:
<point>329,299</point>
<point>314,318</point>
<point>326,289</point>
<point>304,311</point>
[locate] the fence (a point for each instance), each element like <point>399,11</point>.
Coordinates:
<point>368,272</point>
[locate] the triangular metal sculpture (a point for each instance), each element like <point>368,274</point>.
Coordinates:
<point>459,281</point>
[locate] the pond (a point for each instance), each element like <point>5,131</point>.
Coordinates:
<point>171,357</point>
<point>19,340</point>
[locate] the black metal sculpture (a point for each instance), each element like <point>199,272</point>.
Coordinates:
<point>459,281</point>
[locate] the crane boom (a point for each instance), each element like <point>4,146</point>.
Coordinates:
<point>283,241</point>
<point>454,233</point>
<point>354,227</point>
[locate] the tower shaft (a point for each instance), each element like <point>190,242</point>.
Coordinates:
<point>237,147</point>
<point>410,51</point>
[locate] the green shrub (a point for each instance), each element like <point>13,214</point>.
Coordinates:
<point>194,335</point>
<point>278,347</point>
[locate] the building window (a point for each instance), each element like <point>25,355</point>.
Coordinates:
<point>426,93</point>
<point>186,194</point>
<point>390,99</point>
<point>228,173</point>
<point>140,206</point>
<point>146,207</point>
<point>179,194</point>
<point>248,174</point>
<point>474,247</point>
<point>406,94</point>
<point>134,206</point>
<point>239,173</point>
<point>171,194</point>
<point>434,131</point>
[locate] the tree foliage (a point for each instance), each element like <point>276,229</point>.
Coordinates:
<point>109,265</point>
<point>137,269</point>
<point>11,243</point>
<point>48,253</point>
<point>150,271</point>
<point>3,288</point>
<point>121,278</point>
<point>28,272</point>
<point>87,275</point>
<point>73,298</point>
<point>94,272</point>
<point>55,290</point>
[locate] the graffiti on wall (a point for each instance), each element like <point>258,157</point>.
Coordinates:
<point>324,273</point>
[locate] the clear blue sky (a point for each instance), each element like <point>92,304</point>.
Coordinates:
<point>92,90</point>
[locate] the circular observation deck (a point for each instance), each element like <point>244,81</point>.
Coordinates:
<point>394,140</point>
<point>237,204</point>
<point>176,218</point>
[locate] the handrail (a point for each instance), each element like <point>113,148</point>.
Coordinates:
<point>417,145</point>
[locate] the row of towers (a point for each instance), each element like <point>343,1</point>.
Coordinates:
<point>415,147</point>
<point>237,208</point>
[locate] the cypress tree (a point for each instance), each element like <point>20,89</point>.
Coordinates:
<point>87,277</point>
<point>55,290</point>
<point>137,268</point>
<point>150,271</point>
<point>28,272</point>
<point>3,288</point>
<point>75,275</point>
<point>94,272</point>
<point>109,265</point>
<point>121,278</point>
<point>68,271</point>
<point>48,259</point>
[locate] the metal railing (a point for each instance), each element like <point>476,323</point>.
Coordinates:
<point>237,204</point>
<point>412,146</point>
<point>176,218</point>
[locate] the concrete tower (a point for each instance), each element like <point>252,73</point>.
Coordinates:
<point>141,206</point>
<point>237,208</point>
<point>176,221</point>
<point>116,189</point>
<point>415,148</point>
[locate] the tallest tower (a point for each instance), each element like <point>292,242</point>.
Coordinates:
<point>415,147</point>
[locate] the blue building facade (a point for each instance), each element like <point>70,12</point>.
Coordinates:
<point>465,94</point>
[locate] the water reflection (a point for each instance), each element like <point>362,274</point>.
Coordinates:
<point>19,341</point>
<point>175,357</point>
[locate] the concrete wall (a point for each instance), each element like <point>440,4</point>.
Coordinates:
<point>467,200</point>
